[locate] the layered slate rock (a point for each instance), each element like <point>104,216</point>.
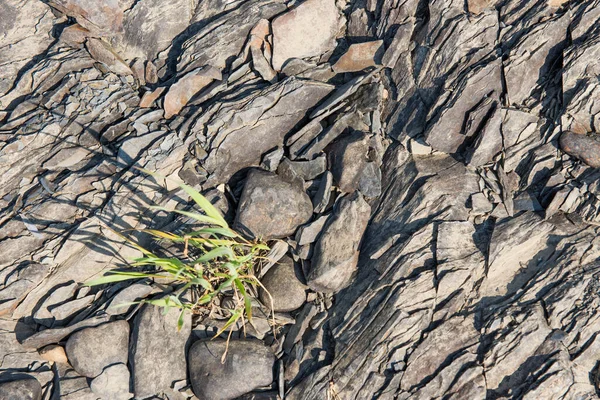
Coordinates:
<point>157,364</point>
<point>27,26</point>
<point>90,350</point>
<point>248,365</point>
<point>477,275</point>
<point>185,88</point>
<point>222,31</point>
<point>336,251</point>
<point>149,27</point>
<point>271,207</point>
<point>104,17</point>
<point>258,123</point>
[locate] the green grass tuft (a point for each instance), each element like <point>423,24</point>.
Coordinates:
<point>215,260</point>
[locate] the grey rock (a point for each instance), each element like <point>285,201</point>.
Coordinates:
<point>132,147</point>
<point>355,165</point>
<point>120,303</point>
<point>282,287</point>
<point>527,202</point>
<point>21,389</point>
<point>307,170</point>
<point>308,233</point>
<point>241,125</point>
<point>223,31</point>
<point>337,249</point>
<point>302,322</point>
<point>271,208</point>
<point>276,252</point>
<point>104,53</point>
<point>156,363</point>
<point>150,26</point>
<point>449,302</point>
<point>74,386</point>
<point>64,311</point>
<point>112,383</point>
<point>480,203</point>
<point>545,42</point>
<point>26,25</point>
<point>323,194</point>
<point>248,366</point>
<point>104,17</point>
<point>92,349</point>
<point>51,336</point>
<point>478,94</point>
<point>270,161</point>
<point>26,279</point>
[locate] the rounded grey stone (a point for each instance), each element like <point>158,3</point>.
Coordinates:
<point>90,350</point>
<point>286,290</point>
<point>24,388</point>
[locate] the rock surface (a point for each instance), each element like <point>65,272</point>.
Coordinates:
<point>248,366</point>
<point>186,87</point>
<point>156,363</point>
<point>271,208</point>
<point>477,274</point>
<point>355,165</point>
<point>307,30</point>
<point>283,287</point>
<point>359,56</point>
<point>90,350</point>
<point>21,389</point>
<point>112,383</point>
<point>336,251</point>
<point>54,353</point>
<point>582,147</point>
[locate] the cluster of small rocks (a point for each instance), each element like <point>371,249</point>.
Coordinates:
<point>425,173</point>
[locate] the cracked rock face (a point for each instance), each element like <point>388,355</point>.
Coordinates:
<point>427,172</point>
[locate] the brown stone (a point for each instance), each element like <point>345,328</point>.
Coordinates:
<point>151,74</point>
<point>477,6</point>
<point>583,147</point>
<point>185,88</point>
<point>102,52</point>
<point>358,57</point>
<point>556,3</point>
<point>149,98</point>
<point>75,35</point>
<point>104,17</point>
<point>139,70</point>
<point>54,353</point>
